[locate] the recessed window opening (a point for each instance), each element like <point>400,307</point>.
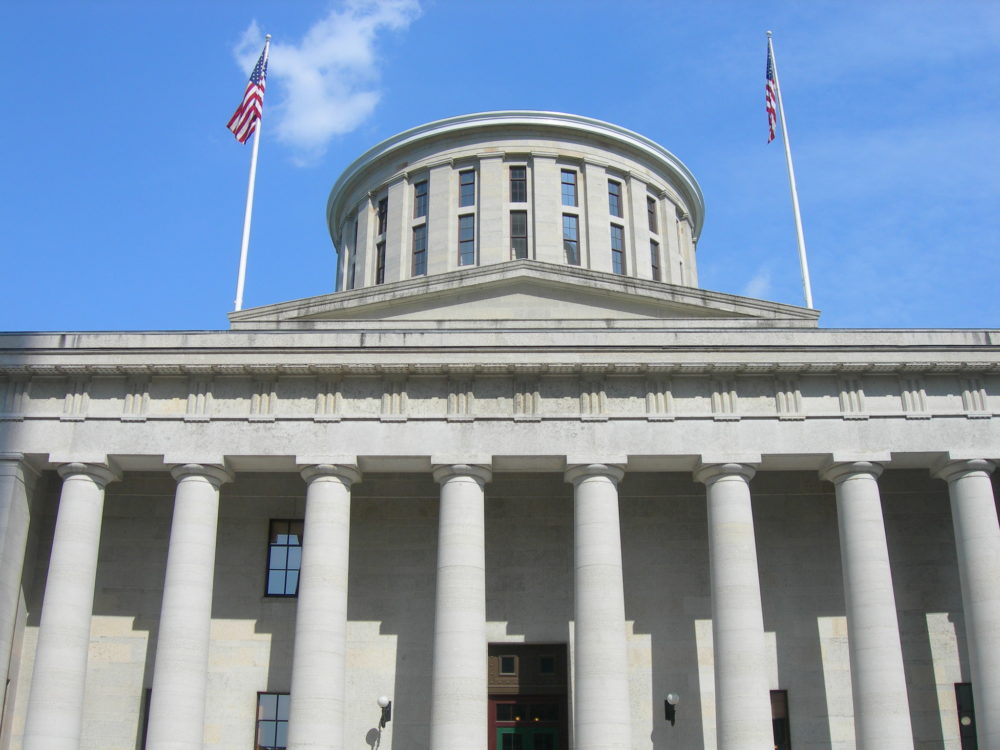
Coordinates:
<point>654,259</point>
<point>466,240</point>
<point>420,199</point>
<point>508,664</point>
<point>518,184</point>
<point>380,262</point>
<point>284,558</point>
<point>546,664</point>
<point>467,188</point>
<point>617,249</point>
<point>571,239</point>
<point>519,234</point>
<point>272,721</point>
<point>568,178</point>
<point>651,214</point>
<point>779,720</point>
<point>420,250</point>
<point>615,199</point>
<point>382,214</point>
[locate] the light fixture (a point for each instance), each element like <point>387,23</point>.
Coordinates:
<point>386,705</point>
<point>670,707</point>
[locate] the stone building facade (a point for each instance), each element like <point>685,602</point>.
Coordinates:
<point>520,475</point>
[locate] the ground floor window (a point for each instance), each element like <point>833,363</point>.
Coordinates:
<point>779,720</point>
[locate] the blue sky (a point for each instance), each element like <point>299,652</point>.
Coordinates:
<point>123,192</point>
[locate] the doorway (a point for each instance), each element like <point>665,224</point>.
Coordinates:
<point>528,690</point>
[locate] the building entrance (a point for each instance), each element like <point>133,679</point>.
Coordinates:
<point>528,689</point>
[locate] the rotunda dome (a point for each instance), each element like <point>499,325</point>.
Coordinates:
<point>493,187</point>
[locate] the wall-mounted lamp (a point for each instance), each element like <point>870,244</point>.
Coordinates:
<point>386,705</point>
<point>670,707</point>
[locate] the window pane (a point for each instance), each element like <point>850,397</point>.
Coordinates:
<point>279,557</point>
<point>519,223</point>
<point>267,706</point>
<point>466,227</point>
<point>276,582</point>
<point>265,733</point>
<point>518,185</point>
<point>292,582</point>
<point>617,249</point>
<point>505,712</point>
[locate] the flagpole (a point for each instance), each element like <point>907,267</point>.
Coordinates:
<point>803,263</point>
<point>249,209</point>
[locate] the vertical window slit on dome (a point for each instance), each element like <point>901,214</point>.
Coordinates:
<point>420,250</point>
<point>380,262</point>
<point>518,234</point>
<point>571,239</point>
<point>466,240</point>
<point>420,199</point>
<point>568,178</point>
<point>467,188</point>
<point>615,199</point>
<point>654,259</point>
<point>518,184</point>
<point>383,215</point>
<point>617,249</point>
<point>651,213</point>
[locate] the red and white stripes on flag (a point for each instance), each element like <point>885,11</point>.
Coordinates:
<point>770,97</point>
<point>244,120</point>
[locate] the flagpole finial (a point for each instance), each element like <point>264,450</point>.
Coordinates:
<point>267,37</point>
<point>769,34</point>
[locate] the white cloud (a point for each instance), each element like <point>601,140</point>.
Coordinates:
<point>327,82</point>
<point>759,287</point>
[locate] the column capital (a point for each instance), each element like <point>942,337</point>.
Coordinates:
<point>14,462</point>
<point>951,470</point>
<point>217,475</point>
<point>101,474</point>
<point>346,473</point>
<point>577,473</point>
<point>711,473</point>
<point>479,472</point>
<point>840,471</point>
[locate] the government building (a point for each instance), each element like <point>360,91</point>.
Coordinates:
<point>519,483</point>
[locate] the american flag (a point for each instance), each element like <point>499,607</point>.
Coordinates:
<point>770,95</point>
<point>244,120</point>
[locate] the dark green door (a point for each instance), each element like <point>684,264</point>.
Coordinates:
<point>527,738</point>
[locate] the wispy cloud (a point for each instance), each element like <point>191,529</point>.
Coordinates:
<point>759,287</point>
<point>329,81</point>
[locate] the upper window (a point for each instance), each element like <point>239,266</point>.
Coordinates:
<point>654,259</point>
<point>272,721</point>
<point>508,664</point>
<point>571,239</point>
<point>617,249</point>
<point>284,558</point>
<point>518,234</point>
<point>420,199</point>
<point>651,214</point>
<point>568,187</point>
<point>420,250</point>
<point>383,215</point>
<point>466,240</point>
<point>615,198</point>
<point>518,184</point>
<point>467,188</point>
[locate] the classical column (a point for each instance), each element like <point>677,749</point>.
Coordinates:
<point>180,673</point>
<point>742,700</point>
<point>601,711</point>
<point>977,543</point>
<point>459,697</point>
<point>316,712</point>
<point>16,478</point>
<point>878,682</point>
<point>55,703</point>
